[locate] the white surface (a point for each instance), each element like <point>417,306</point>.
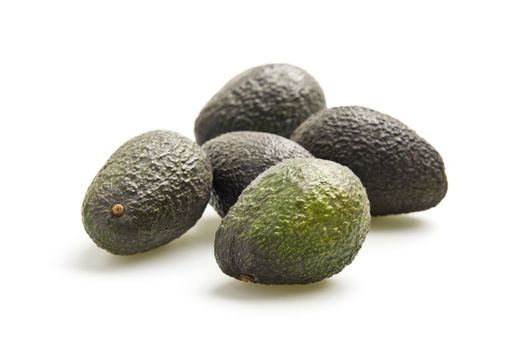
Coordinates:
<point>77,79</point>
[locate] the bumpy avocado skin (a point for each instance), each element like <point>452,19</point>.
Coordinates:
<point>239,157</point>
<point>162,179</point>
<point>273,98</point>
<point>401,171</point>
<point>298,222</point>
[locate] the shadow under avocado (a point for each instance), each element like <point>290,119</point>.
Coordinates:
<point>94,259</point>
<point>401,223</point>
<point>242,291</point>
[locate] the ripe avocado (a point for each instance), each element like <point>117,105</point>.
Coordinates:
<point>299,222</point>
<point>273,98</point>
<point>151,190</point>
<point>239,157</point>
<point>401,171</point>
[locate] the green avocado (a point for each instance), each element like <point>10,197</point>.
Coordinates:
<point>298,222</point>
<point>238,157</point>
<point>273,98</point>
<point>401,171</point>
<point>151,190</point>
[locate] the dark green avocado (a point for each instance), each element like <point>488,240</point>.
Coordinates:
<point>401,171</point>
<point>273,98</point>
<point>298,222</point>
<point>239,157</point>
<point>151,190</point>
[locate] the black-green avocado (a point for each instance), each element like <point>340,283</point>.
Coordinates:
<point>151,190</point>
<point>401,171</point>
<point>273,98</point>
<point>299,222</point>
<point>238,157</point>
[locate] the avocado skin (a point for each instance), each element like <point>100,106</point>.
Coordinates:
<point>401,171</point>
<point>301,221</point>
<point>238,157</point>
<point>162,179</point>
<point>273,98</point>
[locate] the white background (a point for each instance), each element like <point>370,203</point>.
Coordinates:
<point>78,78</point>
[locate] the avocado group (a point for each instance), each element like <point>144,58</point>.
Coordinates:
<point>273,98</point>
<point>401,171</point>
<point>239,157</point>
<point>295,183</point>
<point>299,222</point>
<point>150,191</point>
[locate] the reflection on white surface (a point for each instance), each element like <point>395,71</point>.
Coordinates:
<point>408,223</point>
<point>241,291</point>
<point>201,236</point>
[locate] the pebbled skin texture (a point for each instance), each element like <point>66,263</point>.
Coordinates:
<point>299,222</point>
<point>400,170</point>
<point>162,179</point>
<point>273,98</point>
<point>239,157</point>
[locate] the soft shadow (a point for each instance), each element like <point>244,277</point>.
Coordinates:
<point>406,223</point>
<point>94,259</point>
<point>241,291</point>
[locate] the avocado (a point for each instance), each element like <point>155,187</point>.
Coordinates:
<point>150,191</point>
<point>401,171</point>
<point>238,157</point>
<point>273,98</point>
<point>299,222</point>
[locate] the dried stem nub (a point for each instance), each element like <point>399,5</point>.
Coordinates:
<point>117,210</point>
<point>246,278</point>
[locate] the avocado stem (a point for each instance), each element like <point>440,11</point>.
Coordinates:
<point>246,278</point>
<point>117,210</point>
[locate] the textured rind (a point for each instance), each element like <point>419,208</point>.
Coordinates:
<point>239,157</point>
<point>162,179</point>
<point>401,171</point>
<point>273,98</point>
<point>298,222</point>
